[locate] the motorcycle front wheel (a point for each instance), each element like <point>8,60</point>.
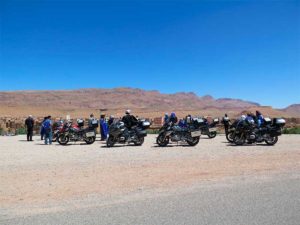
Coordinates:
<point>230,136</point>
<point>90,140</point>
<point>194,142</point>
<point>271,140</point>
<point>63,139</point>
<point>212,134</point>
<point>162,141</point>
<point>110,142</point>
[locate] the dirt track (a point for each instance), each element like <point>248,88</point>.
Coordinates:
<point>37,178</point>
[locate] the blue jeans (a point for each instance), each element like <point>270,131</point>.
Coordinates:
<point>48,137</point>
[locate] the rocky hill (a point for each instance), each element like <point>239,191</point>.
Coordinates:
<point>148,103</point>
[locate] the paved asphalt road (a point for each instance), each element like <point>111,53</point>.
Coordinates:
<point>258,201</point>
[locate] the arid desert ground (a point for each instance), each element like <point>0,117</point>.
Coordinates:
<point>92,184</point>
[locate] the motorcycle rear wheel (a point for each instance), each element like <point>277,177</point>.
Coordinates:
<point>212,134</point>
<point>63,139</point>
<point>194,142</point>
<point>110,142</point>
<point>162,141</point>
<point>273,140</point>
<point>90,140</point>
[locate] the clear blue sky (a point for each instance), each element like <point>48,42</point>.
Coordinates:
<point>238,49</point>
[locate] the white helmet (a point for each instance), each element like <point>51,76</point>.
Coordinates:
<point>128,111</point>
<point>243,117</point>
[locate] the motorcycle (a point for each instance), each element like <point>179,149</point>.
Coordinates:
<point>210,129</point>
<point>230,133</point>
<point>119,133</point>
<point>174,133</point>
<point>58,128</point>
<point>268,132</point>
<point>78,133</point>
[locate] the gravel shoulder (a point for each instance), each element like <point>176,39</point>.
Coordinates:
<point>35,178</point>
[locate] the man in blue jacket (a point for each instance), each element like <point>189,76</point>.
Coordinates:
<point>103,128</point>
<point>48,130</point>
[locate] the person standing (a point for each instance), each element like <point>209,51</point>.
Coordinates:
<point>111,120</point>
<point>103,128</point>
<point>48,130</point>
<point>166,118</point>
<point>42,129</point>
<point>226,122</point>
<point>29,123</point>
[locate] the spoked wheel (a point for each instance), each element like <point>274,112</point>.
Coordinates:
<point>63,139</point>
<point>230,136</point>
<point>161,140</point>
<point>212,134</point>
<point>140,141</point>
<point>239,139</point>
<point>271,140</point>
<point>194,142</point>
<point>90,140</point>
<point>110,142</point>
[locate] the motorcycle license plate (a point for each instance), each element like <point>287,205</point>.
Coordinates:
<point>196,133</point>
<point>212,129</point>
<point>90,134</point>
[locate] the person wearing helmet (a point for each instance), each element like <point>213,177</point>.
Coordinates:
<point>129,120</point>
<point>249,119</point>
<point>259,118</point>
<point>173,118</point>
<point>111,120</point>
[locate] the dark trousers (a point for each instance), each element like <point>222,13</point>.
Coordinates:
<point>226,128</point>
<point>29,134</point>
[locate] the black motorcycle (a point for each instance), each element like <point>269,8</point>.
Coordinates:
<point>119,133</point>
<point>231,130</point>
<point>210,129</point>
<point>172,132</point>
<point>249,132</point>
<point>78,133</point>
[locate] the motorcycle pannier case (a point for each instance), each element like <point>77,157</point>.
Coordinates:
<point>279,122</point>
<point>275,132</point>
<point>267,121</point>
<point>199,121</point>
<point>216,120</point>
<point>80,122</point>
<point>95,123</point>
<point>146,124</point>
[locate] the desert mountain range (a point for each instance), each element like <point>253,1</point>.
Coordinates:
<point>81,102</point>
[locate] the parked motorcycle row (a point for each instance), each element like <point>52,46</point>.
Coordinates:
<point>239,132</point>
<point>243,131</point>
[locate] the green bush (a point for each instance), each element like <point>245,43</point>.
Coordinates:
<point>294,130</point>
<point>21,130</point>
<point>152,131</point>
